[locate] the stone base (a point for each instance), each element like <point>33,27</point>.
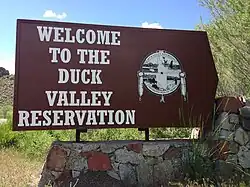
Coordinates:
<point>114,163</point>
<point>230,127</point>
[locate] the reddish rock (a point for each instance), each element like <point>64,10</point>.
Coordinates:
<point>136,147</point>
<point>56,159</point>
<point>172,153</point>
<point>229,104</point>
<point>97,161</point>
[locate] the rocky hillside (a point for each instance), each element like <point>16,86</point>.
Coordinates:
<point>6,88</point>
<point>3,72</point>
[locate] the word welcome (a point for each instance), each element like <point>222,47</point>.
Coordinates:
<point>89,36</point>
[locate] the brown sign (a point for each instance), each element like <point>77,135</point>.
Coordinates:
<point>72,75</point>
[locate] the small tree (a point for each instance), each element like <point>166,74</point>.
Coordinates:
<point>229,35</point>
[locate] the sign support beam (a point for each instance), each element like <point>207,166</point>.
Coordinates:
<point>146,130</point>
<point>78,134</point>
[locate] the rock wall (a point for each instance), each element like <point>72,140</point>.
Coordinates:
<point>151,163</point>
<point>114,163</point>
<point>233,125</point>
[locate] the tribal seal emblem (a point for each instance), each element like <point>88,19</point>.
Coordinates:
<point>162,74</point>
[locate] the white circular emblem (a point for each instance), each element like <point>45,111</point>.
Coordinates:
<point>161,73</point>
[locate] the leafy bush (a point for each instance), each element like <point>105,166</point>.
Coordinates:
<point>203,164</point>
<point>171,133</point>
<point>32,143</point>
<point>35,144</point>
<point>113,134</point>
<point>199,165</point>
<point>5,111</point>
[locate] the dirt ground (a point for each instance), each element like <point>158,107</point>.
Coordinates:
<point>18,171</point>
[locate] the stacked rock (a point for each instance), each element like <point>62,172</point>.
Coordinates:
<point>233,125</point>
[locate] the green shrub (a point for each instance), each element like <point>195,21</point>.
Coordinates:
<point>36,143</point>
<point>113,134</point>
<point>5,111</point>
<point>203,164</point>
<point>170,133</point>
<point>199,165</point>
<point>7,136</point>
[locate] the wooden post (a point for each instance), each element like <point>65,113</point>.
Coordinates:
<point>78,134</point>
<point>146,130</point>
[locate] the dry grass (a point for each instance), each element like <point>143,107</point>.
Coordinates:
<point>18,171</point>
